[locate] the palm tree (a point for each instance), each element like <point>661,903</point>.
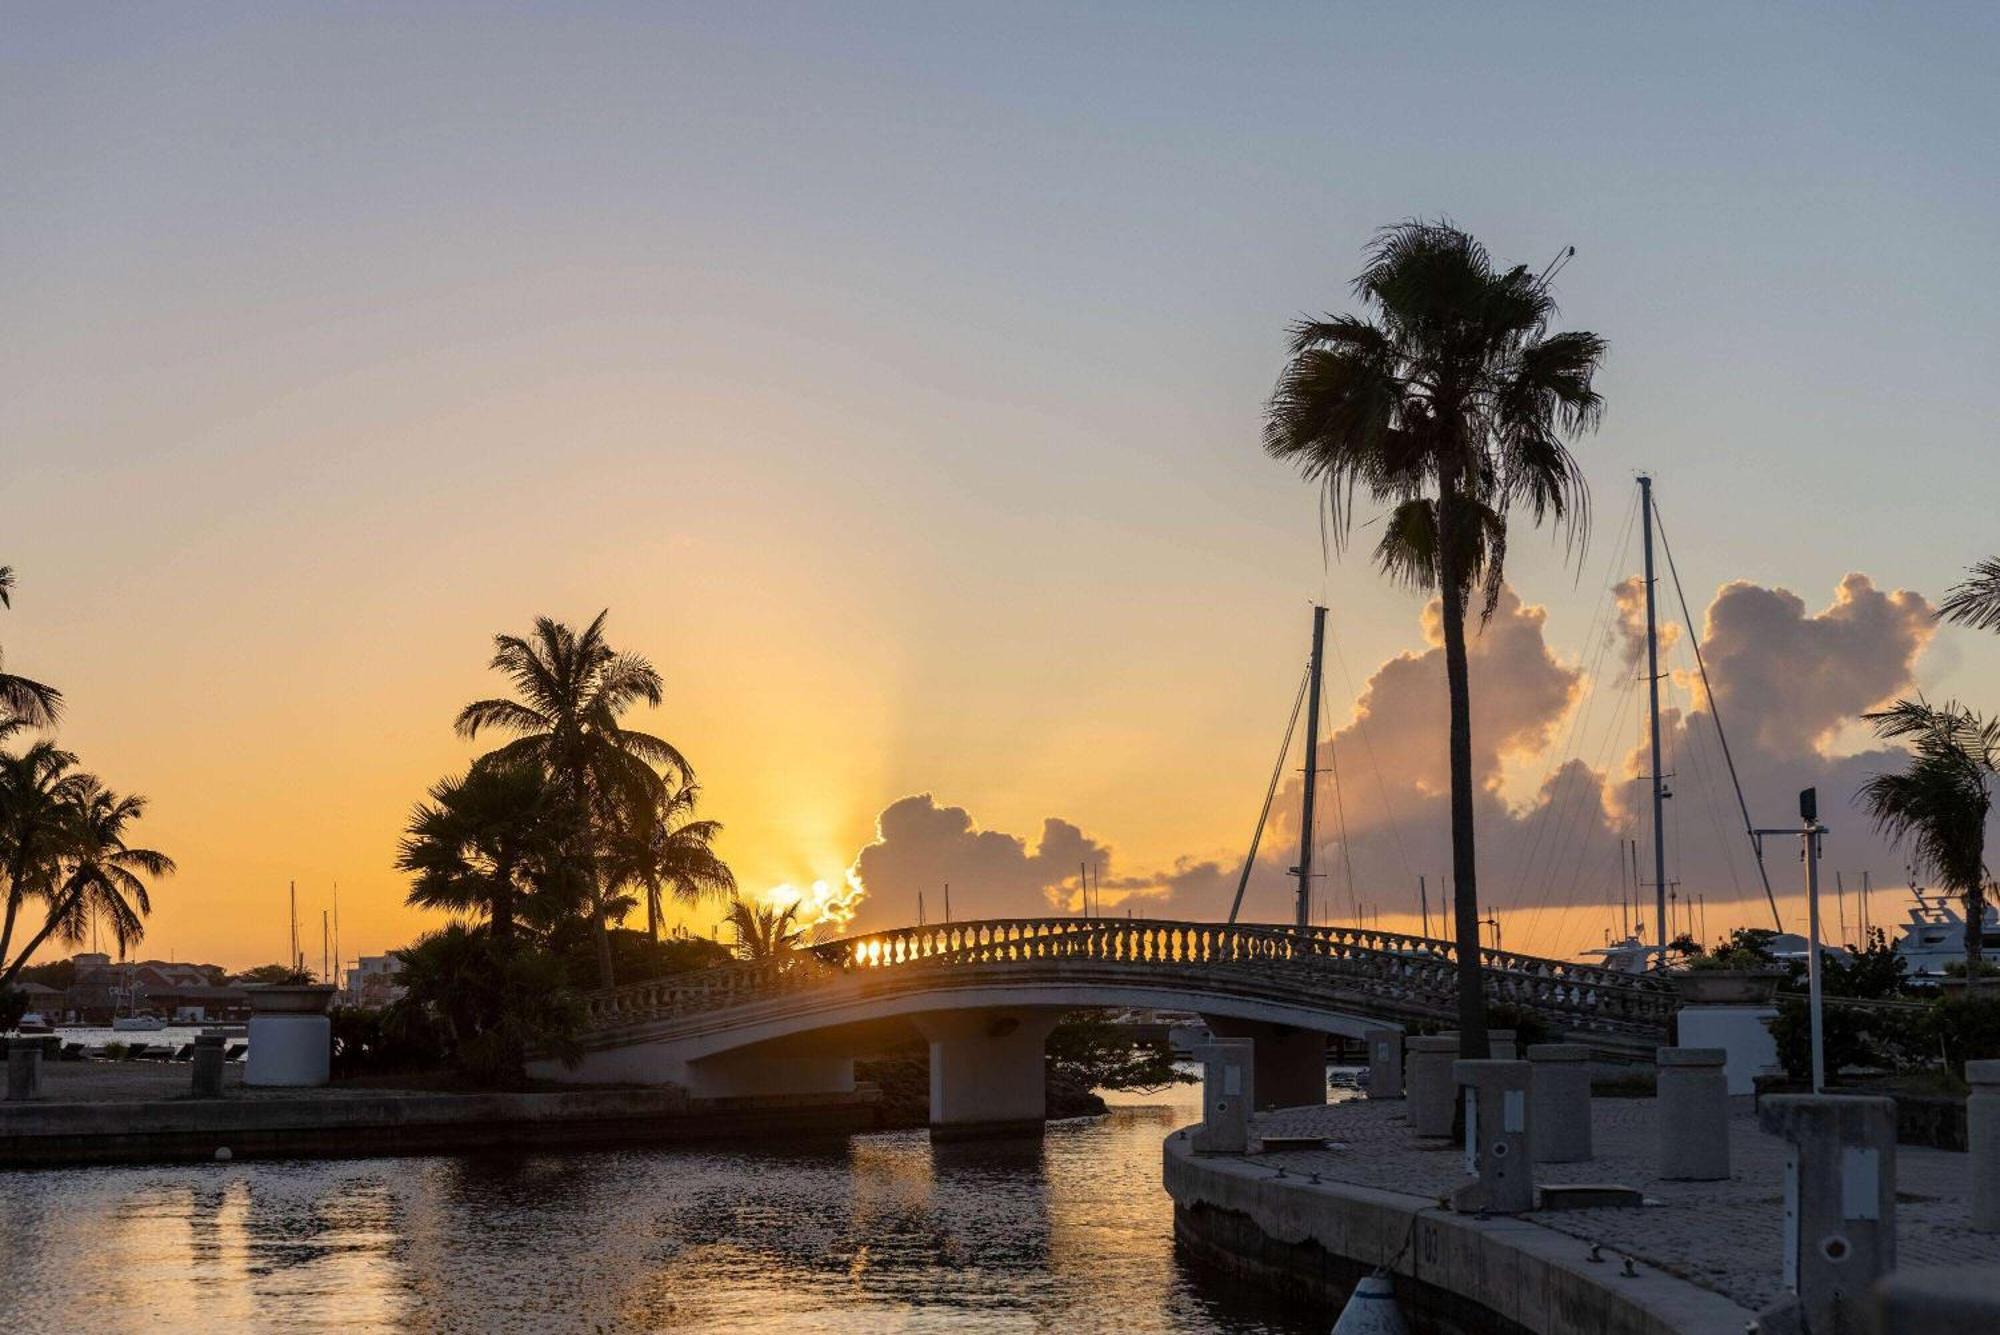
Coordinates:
<point>23,703</point>
<point>1941,800</point>
<point>669,853</point>
<point>102,875</point>
<point>572,690</point>
<point>39,789</point>
<point>1451,407</point>
<point>764,930</point>
<point>1975,601</point>
<point>490,842</point>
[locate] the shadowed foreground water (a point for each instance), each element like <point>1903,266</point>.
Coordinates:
<point>878,1233</point>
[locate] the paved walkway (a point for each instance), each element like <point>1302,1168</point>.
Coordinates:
<point>1723,1236</point>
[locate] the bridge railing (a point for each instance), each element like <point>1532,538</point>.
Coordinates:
<point>1411,970</point>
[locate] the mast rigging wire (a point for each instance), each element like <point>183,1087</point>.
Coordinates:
<point>1270,793</point>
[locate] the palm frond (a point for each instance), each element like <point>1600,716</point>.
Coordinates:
<point>1975,601</point>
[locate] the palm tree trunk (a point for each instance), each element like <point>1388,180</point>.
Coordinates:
<point>1472,1041</point>
<point>501,910</point>
<point>1975,929</point>
<point>653,909</point>
<point>605,979</point>
<point>12,971</point>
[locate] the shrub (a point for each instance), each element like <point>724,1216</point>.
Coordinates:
<point>484,1004</point>
<point>13,1005</point>
<point>1963,1029</point>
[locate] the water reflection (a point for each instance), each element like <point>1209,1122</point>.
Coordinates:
<point>882,1232</point>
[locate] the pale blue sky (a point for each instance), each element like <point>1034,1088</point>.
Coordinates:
<point>903,365</point>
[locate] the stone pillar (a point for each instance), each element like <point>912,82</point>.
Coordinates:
<point>24,1070</point>
<point>1692,1105</point>
<point>987,1075</point>
<point>1501,1043</point>
<point>1982,1139</point>
<point>1228,1092</point>
<point>291,1038</point>
<point>1291,1062</point>
<point>1743,1032</point>
<point>208,1066</point>
<point>1433,1097</point>
<point>1560,1095</point>
<point>1496,1137</point>
<point>1385,1063</point>
<point>1840,1204</point>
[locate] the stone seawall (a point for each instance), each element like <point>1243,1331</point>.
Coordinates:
<point>316,1124</point>
<point>1461,1272</point>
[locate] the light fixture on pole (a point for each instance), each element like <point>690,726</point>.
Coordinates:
<point>1809,833</point>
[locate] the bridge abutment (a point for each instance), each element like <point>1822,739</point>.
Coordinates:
<point>987,1074</point>
<point>1289,1063</point>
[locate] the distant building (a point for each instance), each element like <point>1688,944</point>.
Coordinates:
<point>373,981</point>
<point>103,989</point>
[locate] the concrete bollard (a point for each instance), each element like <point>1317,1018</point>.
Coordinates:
<point>1385,1063</point>
<point>1502,1045</point>
<point>1982,1139</point>
<point>1228,1094</point>
<point>1840,1205</point>
<point>1497,1138</point>
<point>1693,1109</point>
<point>24,1070</point>
<point>1559,1093</point>
<point>208,1066</point>
<point>1433,1098</point>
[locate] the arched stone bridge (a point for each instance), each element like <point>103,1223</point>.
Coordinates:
<point>985,995</point>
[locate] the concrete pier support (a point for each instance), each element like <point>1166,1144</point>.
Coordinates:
<point>1497,1119</point>
<point>1559,1093</point>
<point>24,1070</point>
<point>1228,1092</point>
<point>1433,1098</point>
<point>1840,1205</point>
<point>1694,1114</point>
<point>1291,1063</point>
<point>1385,1063</point>
<point>986,1071</point>
<point>1982,1139</point>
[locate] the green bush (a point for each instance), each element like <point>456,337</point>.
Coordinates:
<point>1965,1028</point>
<point>484,1004</point>
<point>13,1005</point>
<point>366,1042</point>
<point>1091,1052</point>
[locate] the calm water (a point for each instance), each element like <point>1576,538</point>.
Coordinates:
<point>878,1233</point>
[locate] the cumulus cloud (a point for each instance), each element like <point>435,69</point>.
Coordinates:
<point>1558,760</point>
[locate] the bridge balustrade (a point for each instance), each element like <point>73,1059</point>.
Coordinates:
<point>1415,973</point>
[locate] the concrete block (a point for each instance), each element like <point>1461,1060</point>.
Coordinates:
<point>1427,1079</point>
<point>1742,1032</point>
<point>1228,1093</point>
<point>1497,1137</point>
<point>1502,1045</point>
<point>24,1071</point>
<point>1559,1093</point>
<point>1840,1203</point>
<point>1385,1063</point>
<point>1959,1298</point>
<point>1982,1141</point>
<point>1693,1110</point>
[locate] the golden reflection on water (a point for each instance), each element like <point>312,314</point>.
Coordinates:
<point>882,1233</point>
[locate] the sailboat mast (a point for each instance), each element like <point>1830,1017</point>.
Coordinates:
<point>1304,868</point>
<point>1653,699</point>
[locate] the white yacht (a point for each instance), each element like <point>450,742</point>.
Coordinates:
<point>1935,936</point>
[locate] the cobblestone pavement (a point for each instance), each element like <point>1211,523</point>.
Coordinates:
<point>1725,1236</point>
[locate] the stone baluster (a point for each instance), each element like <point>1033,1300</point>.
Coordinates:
<point>1840,1207</point>
<point>1692,1104</point>
<point>1385,1063</point>
<point>1982,1138</point>
<point>1560,1092</point>
<point>1497,1118</point>
<point>1428,1084</point>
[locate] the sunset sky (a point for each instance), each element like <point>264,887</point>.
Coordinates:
<point>895,380</point>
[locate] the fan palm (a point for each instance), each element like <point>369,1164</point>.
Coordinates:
<point>39,788</point>
<point>764,930</point>
<point>1975,601</point>
<point>1939,802</point>
<point>1451,407</point>
<point>571,691</point>
<point>102,875</point>
<point>493,841</point>
<point>671,854</point>
<point>23,703</point>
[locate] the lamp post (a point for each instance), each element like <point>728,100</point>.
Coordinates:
<point>1809,831</point>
